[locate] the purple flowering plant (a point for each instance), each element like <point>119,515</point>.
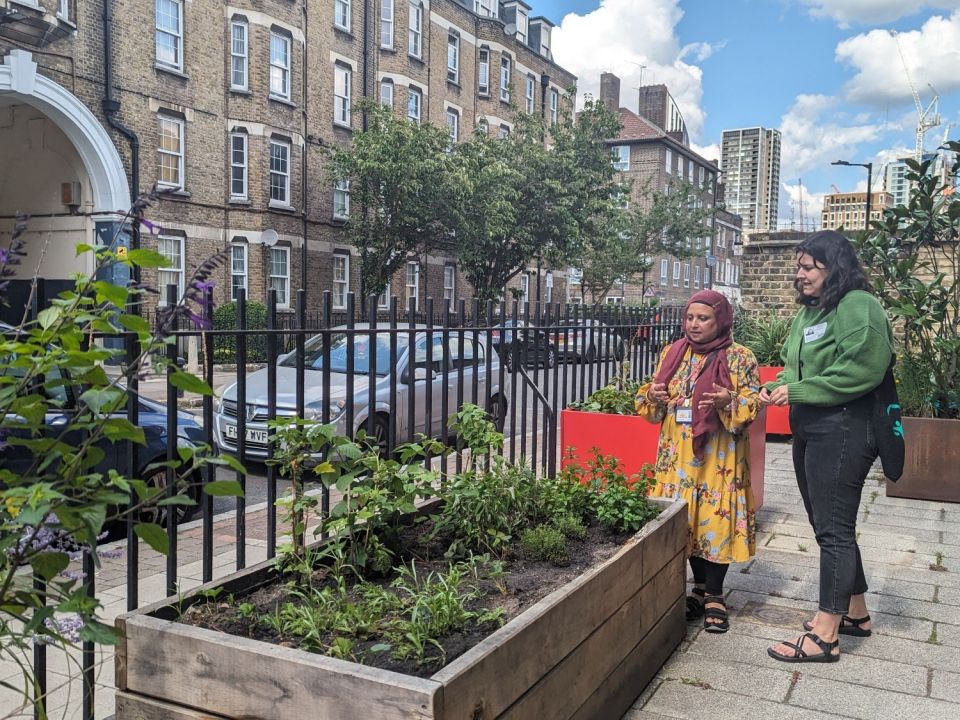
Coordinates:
<point>55,500</point>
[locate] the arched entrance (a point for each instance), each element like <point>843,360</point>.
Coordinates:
<point>59,165</point>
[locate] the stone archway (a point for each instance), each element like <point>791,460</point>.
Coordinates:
<point>20,81</point>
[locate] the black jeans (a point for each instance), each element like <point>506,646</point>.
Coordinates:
<point>833,449</point>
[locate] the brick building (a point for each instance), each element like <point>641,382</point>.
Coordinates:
<point>849,210</point>
<point>653,156</point>
<point>233,107</point>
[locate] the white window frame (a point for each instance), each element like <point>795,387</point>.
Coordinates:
<point>706,277</point>
<point>554,106</point>
<point>483,71</point>
<point>280,70</point>
<point>415,30</point>
<point>172,32</point>
<point>453,58</point>
<point>384,85</point>
<point>386,24</point>
<point>548,288</point>
<point>244,271</point>
<point>622,160</point>
<point>529,94</point>
<point>282,175</point>
<point>241,166</point>
<point>414,102</point>
<point>453,124</point>
<point>412,283</point>
<point>524,288</point>
<point>166,120</point>
<point>485,8</point>
<point>450,285</point>
<point>522,26</point>
<point>342,87</point>
<point>283,292</point>
<point>173,271</point>
<point>668,162</point>
<point>504,132</point>
<point>341,14</point>
<point>383,299</point>
<point>696,276</point>
<point>239,55</point>
<point>63,10</point>
<point>676,273</point>
<point>664,271</point>
<point>690,165</point>
<point>506,68</point>
<point>686,275</point>
<point>341,280</point>
<point>341,200</point>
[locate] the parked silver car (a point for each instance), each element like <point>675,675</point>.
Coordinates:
<point>587,340</point>
<point>414,372</point>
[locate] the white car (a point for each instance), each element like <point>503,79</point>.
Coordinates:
<point>414,373</point>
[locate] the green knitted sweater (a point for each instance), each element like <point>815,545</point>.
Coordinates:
<point>834,356</point>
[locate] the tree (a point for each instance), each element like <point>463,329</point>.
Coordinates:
<point>660,224</point>
<point>399,173</point>
<point>518,198</point>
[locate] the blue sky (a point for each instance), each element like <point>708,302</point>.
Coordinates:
<point>827,73</point>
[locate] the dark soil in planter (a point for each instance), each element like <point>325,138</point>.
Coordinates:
<point>526,582</point>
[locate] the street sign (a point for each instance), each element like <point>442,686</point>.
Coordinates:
<point>649,293</point>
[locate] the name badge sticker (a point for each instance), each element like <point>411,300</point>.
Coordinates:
<point>814,332</point>
<point>684,414</point>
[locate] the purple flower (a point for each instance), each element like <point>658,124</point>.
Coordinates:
<point>154,228</point>
<point>67,627</point>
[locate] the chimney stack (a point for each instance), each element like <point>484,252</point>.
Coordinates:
<point>610,91</point>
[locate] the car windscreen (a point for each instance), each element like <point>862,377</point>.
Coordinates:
<point>314,352</point>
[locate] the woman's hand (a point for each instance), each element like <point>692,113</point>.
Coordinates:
<point>720,397</point>
<point>779,396</point>
<point>657,394</point>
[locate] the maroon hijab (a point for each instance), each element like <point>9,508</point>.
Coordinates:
<point>718,372</point>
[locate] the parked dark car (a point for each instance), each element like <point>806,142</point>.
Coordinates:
<point>153,421</point>
<point>514,343</point>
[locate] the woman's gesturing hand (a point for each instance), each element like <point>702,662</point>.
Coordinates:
<point>779,396</point>
<point>658,394</point>
<point>720,397</point>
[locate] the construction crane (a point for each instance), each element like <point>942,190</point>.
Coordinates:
<point>836,190</point>
<point>927,117</point>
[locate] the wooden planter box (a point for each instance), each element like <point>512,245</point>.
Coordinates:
<point>778,416</point>
<point>932,449</point>
<point>585,651</point>
<point>634,441</point>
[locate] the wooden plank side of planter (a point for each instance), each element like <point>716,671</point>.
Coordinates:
<point>660,547</point>
<point>625,684</point>
<point>476,684</point>
<point>573,681</point>
<point>138,707</point>
<point>239,677</point>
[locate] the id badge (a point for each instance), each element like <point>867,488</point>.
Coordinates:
<point>684,414</point>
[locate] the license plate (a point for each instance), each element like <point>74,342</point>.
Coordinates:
<point>253,435</point>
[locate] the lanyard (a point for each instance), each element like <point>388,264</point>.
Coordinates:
<point>692,381</point>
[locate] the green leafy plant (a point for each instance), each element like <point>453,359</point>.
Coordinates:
<point>616,398</point>
<point>619,502</point>
<point>913,259</point>
<point>56,498</point>
<point>763,333</point>
<point>545,542</point>
<point>225,346</point>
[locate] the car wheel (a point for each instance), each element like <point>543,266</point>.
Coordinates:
<point>153,513</point>
<point>551,357</point>
<point>618,352</point>
<point>498,412</point>
<point>381,432</point>
<point>508,361</point>
<point>591,355</point>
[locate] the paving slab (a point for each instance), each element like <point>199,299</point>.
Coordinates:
<point>945,686</point>
<point>827,695</point>
<point>677,700</point>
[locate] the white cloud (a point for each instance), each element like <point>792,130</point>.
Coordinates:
<point>707,152</point>
<point>619,37</point>
<point>813,137</point>
<point>931,53</point>
<point>800,207</point>
<point>873,12</point>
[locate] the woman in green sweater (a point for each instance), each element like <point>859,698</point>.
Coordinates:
<point>838,351</point>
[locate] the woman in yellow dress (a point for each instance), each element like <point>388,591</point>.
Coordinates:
<point>705,393</point>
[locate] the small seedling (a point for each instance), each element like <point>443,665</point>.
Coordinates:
<point>932,640</point>
<point>802,548</point>
<point>246,609</point>
<point>938,562</point>
<point>873,496</point>
<point>697,682</point>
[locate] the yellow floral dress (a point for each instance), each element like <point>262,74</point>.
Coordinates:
<point>722,520</point>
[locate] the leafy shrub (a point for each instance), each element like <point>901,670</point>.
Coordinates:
<point>225,346</point>
<point>618,502</point>
<point>913,374</point>
<point>546,543</point>
<point>763,334</point>
<point>571,526</point>
<point>617,398</point>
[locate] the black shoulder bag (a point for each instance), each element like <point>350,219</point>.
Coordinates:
<point>887,425</point>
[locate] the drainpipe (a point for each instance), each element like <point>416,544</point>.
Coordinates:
<point>366,56</point>
<point>111,108</point>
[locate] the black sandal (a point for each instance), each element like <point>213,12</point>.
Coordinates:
<point>848,626</point>
<point>695,604</point>
<point>802,656</point>
<point>715,614</point>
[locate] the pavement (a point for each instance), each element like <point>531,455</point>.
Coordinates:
<point>909,668</point>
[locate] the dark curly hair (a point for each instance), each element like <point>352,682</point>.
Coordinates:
<point>833,252</point>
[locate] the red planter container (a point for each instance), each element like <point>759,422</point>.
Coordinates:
<point>778,416</point>
<point>633,441</point>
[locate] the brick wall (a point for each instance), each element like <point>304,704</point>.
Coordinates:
<point>769,267</point>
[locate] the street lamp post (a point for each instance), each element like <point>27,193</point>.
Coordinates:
<point>869,167</point>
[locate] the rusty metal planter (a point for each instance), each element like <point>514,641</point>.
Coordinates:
<point>932,460</point>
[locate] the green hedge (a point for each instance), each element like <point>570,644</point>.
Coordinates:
<point>225,346</point>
